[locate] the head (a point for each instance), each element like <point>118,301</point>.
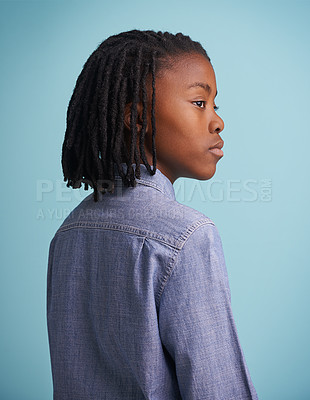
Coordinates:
<point>137,101</point>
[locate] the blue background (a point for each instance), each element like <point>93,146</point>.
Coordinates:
<point>260,193</point>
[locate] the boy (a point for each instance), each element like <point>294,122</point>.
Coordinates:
<point>138,301</point>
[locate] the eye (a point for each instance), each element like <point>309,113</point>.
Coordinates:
<point>198,102</point>
<point>201,103</point>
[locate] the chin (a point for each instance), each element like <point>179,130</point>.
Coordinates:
<point>205,175</point>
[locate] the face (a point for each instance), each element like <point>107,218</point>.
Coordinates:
<point>187,125</point>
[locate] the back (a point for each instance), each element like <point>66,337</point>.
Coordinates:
<point>138,301</point>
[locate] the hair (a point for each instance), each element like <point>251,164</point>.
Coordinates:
<point>116,74</point>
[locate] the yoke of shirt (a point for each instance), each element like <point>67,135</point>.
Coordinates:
<point>148,211</point>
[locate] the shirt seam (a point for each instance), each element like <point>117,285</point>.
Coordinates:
<point>170,267</point>
<point>152,184</point>
<point>121,228</point>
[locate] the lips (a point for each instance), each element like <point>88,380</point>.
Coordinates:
<point>218,145</point>
<point>217,148</point>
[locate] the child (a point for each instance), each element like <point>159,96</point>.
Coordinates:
<point>138,299</point>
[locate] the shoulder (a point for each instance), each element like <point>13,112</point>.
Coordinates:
<point>141,211</point>
<point>198,263</point>
<point>173,221</point>
<point>182,221</point>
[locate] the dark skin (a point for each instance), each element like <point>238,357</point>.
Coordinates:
<point>187,125</point>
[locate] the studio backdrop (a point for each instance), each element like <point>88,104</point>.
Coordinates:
<point>258,197</point>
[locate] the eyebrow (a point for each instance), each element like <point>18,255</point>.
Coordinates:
<point>205,86</point>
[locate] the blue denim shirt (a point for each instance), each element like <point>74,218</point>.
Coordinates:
<point>138,301</point>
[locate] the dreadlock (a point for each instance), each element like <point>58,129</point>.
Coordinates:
<point>114,75</point>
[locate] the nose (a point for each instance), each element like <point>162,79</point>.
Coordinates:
<point>216,124</point>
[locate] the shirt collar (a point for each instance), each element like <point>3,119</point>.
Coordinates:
<point>158,181</point>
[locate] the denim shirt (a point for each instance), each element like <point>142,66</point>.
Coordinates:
<point>138,301</point>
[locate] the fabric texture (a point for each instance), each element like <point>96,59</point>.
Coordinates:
<point>138,301</point>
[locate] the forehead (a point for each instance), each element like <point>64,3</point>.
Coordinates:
<point>186,71</point>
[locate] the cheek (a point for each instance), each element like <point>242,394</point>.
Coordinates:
<point>181,129</point>
<point>178,129</point>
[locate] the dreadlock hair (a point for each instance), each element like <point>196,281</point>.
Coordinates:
<point>114,75</point>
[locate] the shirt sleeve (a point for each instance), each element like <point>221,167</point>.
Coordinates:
<point>197,326</point>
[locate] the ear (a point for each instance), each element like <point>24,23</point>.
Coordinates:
<point>127,117</point>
